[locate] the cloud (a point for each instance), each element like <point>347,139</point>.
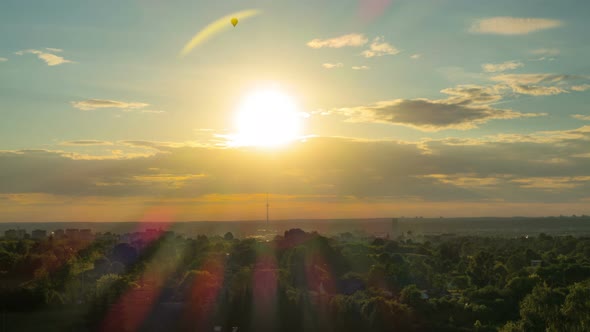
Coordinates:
<point>350,40</point>
<point>89,142</point>
<point>333,65</point>
<point>552,183</point>
<point>537,167</point>
<point>153,111</point>
<point>581,88</point>
<point>156,145</point>
<point>93,104</point>
<point>55,50</point>
<point>465,180</point>
<point>3,59</point>
<point>505,25</point>
<point>379,48</point>
<point>433,115</point>
<point>416,56</point>
<point>581,117</point>
<point>49,58</point>
<point>360,67</point>
<point>466,107</point>
<point>533,78</point>
<point>546,51</point>
<point>473,94</point>
<point>534,90</point>
<point>537,84</point>
<point>508,65</point>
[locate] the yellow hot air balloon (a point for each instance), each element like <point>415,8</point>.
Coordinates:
<point>234,21</point>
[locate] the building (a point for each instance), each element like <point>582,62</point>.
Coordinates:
<point>59,233</point>
<point>39,234</point>
<point>16,234</point>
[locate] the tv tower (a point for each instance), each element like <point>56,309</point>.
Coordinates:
<point>267,207</point>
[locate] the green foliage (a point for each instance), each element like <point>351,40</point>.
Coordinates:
<point>576,308</point>
<point>311,282</point>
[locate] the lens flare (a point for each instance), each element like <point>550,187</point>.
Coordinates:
<point>215,28</point>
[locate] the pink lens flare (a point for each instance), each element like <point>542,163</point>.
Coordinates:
<point>369,10</point>
<point>265,284</point>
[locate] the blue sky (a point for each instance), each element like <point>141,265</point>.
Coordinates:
<point>425,72</point>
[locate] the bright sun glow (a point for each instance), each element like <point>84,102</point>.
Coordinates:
<point>267,118</point>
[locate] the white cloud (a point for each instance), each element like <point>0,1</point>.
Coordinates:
<point>415,56</point>
<point>379,48</point>
<point>55,50</point>
<point>92,104</point>
<point>3,59</point>
<point>505,25</point>
<point>581,117</point>
<point>360,67</point>
<point>49,58</point>
<point>581,88</point>
<point>498,67</point>
<point>352,40</point>
<point>333,65</point>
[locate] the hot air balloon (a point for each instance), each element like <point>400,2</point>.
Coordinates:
<point>234,21</point>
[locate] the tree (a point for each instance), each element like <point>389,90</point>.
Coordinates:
<point>481,268</point>
<point>412,297</point>
<point>512,327</point>
<point>477,325</point>
<point>124,253</point>
<point>228,236</point>
<point>540,310</point>
<point>576,308</point>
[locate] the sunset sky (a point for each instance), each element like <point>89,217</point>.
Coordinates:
<point>404,108</point>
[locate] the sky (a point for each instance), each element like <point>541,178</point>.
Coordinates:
<point>407,108</point>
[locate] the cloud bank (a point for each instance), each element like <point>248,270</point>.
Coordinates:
<point>550,167</point>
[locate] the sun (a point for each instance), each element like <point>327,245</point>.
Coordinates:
<point>267,118</point>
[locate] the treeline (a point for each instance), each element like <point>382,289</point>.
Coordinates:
<point>303,282</point>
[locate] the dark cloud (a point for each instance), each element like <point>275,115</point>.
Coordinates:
<point>466,107</point>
